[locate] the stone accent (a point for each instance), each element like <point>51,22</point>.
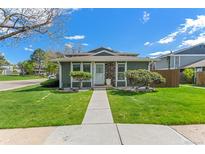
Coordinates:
<point>110,72</point>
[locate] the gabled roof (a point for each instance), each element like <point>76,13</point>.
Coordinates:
<point>100,51</point>
<point>200,63</point>
<point>196,49</point>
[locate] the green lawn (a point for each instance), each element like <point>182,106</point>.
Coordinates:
<point>18,77</point>
<point>184,105</point>
<point>37,106</point>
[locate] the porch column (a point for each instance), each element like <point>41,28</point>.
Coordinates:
<point>71,78</point>
<point>116,72</point>
<point>125,75</point>
<point>60,75</point>
<point>92,74</point>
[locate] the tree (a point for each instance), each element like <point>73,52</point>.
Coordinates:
<point>188,74</point>
<point>3,60</point>
<point>74,47</point>
<point>80,76</point>
<point>22,22</point>
<point>38,57</point>
<point>27,67</point>
<point>52,67</point>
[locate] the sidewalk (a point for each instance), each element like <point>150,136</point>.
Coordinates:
<point>9,85</point>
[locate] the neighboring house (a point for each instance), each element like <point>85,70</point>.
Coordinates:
<point>7,69</point>
<point>181,59</point>
<point>102,63</point>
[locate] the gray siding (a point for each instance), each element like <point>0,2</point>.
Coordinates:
<point>163,63</point>
<point>137,65</point>
<point>65,74</point>
<point>186,60</point>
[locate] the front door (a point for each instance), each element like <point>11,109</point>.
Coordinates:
<point>99,74</point>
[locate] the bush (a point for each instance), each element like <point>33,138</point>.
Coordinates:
<point>80,76</point>
<point>188,75</point>
<point>157,78</point>
<point>143,77</point>
<point>50,83</point>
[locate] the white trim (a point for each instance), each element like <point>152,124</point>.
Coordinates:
<point>125,75</point>
<point>71,78</point>
<point>188,55</point>
<point>92,74</point>
<point>60,76</point>
<point>116,74</point>
<point>104,51</point>
<point>174,62</point>
<point>149,66</point>
<point>103,71</point>
<point>120,72</point>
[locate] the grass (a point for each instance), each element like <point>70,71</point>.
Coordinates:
<point>18,77</point>
<point>169,106</point>
<point>35,106</point>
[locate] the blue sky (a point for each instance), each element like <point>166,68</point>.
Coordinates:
<point>144,31</point>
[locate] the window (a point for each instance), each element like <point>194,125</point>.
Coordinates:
<point>86,67</point>
<point>76,66</point>
<point>121,72</point>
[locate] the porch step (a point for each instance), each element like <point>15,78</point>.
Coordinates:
<point>101,87</point>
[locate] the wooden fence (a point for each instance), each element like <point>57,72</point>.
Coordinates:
<point>172,77</point>
<point>200,78</point>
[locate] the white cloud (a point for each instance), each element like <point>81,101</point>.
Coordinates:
<point>189,27</point>
<point>85,44</point>
<point>29,48</point>
<point>191,42</point>
<point>169,38</point>
<point>192,25</point>
<point>69,45</point>
<point>146,17</point>
<point>75,37</point>
<point>147,43</point>
<point>159,53</point>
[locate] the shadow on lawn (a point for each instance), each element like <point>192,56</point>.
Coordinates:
<point>39,88</point>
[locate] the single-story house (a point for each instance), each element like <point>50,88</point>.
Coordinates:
<point>199,65</point>
<point>102,63</point>
<point>182,58</point>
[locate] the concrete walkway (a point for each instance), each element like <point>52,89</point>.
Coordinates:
<point>98,111</point>
<point>9,85</point>
<point>97,129</point>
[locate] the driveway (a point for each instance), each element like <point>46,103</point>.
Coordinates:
<point>9,85</point>
<point>98,128</point>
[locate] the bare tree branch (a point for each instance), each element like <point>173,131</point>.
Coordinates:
<point>17,23</point>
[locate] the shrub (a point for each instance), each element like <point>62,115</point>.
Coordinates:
<point>188,75</point>
<point>157,78</point>
<point>80,76</point>
<point>50,83</point>
<point>143,77</point>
